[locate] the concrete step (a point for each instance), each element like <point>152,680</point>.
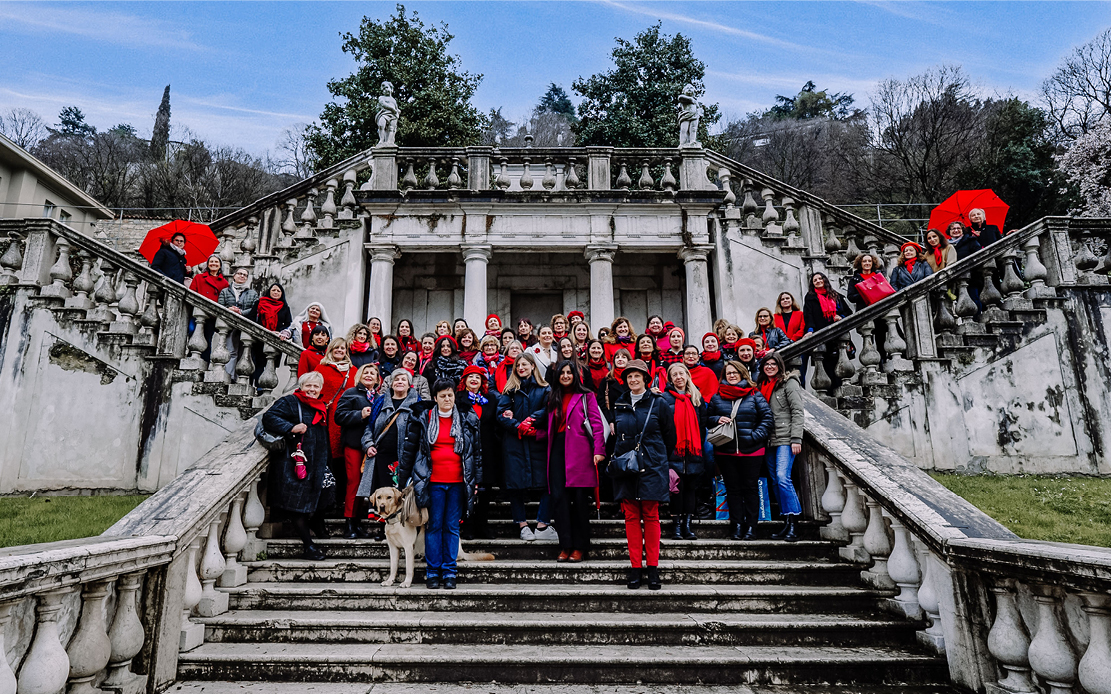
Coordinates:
<point>556,597</point>
<point>613,527</point>
<point>603,548</point>
<point>317,687</point>
<point>617,628</point>
<point>675,571</point>
<point>563,663</point>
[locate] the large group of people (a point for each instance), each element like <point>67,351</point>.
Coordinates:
<point>558,411</point>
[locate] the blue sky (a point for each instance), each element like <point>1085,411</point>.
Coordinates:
<point>241,72</point>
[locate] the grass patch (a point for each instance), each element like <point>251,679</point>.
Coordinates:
<point>26,521</point>
<point>1057,509</point>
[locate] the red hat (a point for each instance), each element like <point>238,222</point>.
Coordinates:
<point>473,369</point>
<point>492,315</point>
<point>911,243</point>
<point>745,341</point>
<point>668,326</point>
<point>673,329</point>
<point>572,314</point>
<point>710,334</point>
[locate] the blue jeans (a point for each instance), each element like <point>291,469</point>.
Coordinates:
<point>441,539</point>
<point>780,460</point>
<point>517,507</point>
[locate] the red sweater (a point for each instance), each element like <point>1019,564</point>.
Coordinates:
<point>447,466</point>
<point>795,330</point>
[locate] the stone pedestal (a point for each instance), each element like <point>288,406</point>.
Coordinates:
<point>384,176</point>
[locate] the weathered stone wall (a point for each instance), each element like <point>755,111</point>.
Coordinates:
<point>127,234</point>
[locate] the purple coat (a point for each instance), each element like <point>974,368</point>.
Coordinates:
<point>579,448</point>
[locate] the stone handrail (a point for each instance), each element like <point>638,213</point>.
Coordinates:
<point>164,561</point>
<point>949,562</point>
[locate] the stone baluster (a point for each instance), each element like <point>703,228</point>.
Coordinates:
<point>877,542</point>
<point>623,181</point>
<point>128,307</point>
<point>454,180</point>
<point>966,308</point>
<point>1011,284</point>
<point>61,274</point>
<point>328,208</point>
<point>219,355</point>
<point>870,357</point>
<point>213,602</point>
<point>235,539</point>
<point>844,368</point>
<point>7,676</point>
<point>289,226</point>
<point>226,251</point>
<point>895,345</point>
<point>1035,272</point>
<point>127,638</point>
<point>1051,657</point>
<point>933,636</point>
<point>105,295</point>
<point>821,381</point>
<point>989,295</point>
<point>1008,642</point>
<point>946,321</point>
<point>268,379</point>
<point>749,206</point>
<point>645,182</point>
<point>1085,261</point>
<point>548,182</point>
<point>249,243</point>
<point>431,180</point>
<point>192,633</point>
<point>724,176</point>
<point>308,217</point>
<point>503,181</point>
<point>1094,671</point>
<point>852,250</point>
<point>791,225</point>
<point>46,665</point>
<point>12,260</point>
<point>667,181</point>
<point>409,178</point>
<point>832,244</point>
<point>855,523</point>
<point>902,567</point>
<point>347,202</point>
<point>89,648</point>
<point>83,283</point>
<point>770,218</point>
<point>833,503</point>
<point>526,174</point>
<point>570,175</point>
<point>197,343</point>
<point>254,515</point>
<point>891,258</point>
<point>244,367</point>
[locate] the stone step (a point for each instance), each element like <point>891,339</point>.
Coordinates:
<point>557,597</point>
<point>602,548</point>
<point>564,663</point>
<point>317,687</point>
<point>614,527</point>
<point>664,629</point>
<point>675,571</point>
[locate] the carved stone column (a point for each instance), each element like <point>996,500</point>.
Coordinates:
<point>474,287</point>
<point>699,321</point>
<point>601,284</point>
<point>380,298</point>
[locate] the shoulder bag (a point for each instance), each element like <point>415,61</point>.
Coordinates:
<point>628,464</point>
<point>725,433</point>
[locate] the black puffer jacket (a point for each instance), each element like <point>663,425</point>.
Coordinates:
<point>525,458</point>
<point>659,438</point>
<point>349,415</point>
<point>489,433</point>
<point>774,338</point>
<point>415,466</point>
<point>754,422</point>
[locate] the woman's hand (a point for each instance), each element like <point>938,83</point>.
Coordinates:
<point>366,412</point>
<point>723,420</point>
<point>372,451</point>
<point>300,428</point>
<point>508,414</point>
<point>236,309</point>
<point>598,459</point>
<point>796,448</point>
<point>613,429</point>
<point>836,317</point>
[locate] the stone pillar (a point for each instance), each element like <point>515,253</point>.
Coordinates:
<point>699,321</point>
<point>380,298</point>
<point>384,174</point>
<point>601,285</point>
<point>353,309</point>
<point>474,287</point>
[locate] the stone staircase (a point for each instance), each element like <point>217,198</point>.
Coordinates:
<point>730,613</point>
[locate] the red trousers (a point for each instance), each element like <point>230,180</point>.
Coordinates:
<point>649,512</point>
<point>352,461</point>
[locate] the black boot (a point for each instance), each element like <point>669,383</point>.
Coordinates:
<point>633,579</point>
<point>318,528</point>
<point>312,552</point>
<point>782,532</point>
<point>653,578</point>
<point>738,531</point>
<point>349,530</point>
<point>360,530</point>
<point>677,528</point>
<point>688,533</point>
<point>791,531</point>
<point>750,533</point>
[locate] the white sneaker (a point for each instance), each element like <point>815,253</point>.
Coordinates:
<point>548,534</point>
<point>527,535</point>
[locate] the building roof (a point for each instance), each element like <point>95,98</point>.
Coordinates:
<point>21,158</point>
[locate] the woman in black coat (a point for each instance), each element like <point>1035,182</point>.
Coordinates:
<point>477,398</point>
<point>742,461</point>
<point>645,418</point>
<point>170,258</point>
<point>521,406</point>
<point>687,457</point>
<point>822,307</point>
<point>352,414</point>
<point>446,363</point>
<point>301,419</point>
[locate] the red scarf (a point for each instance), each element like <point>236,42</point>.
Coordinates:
<point>619,374</point>
<point>315,403</point>
<point>728,391</point>
<point>705,380</point>
<point>767,387</point>
<point>711,356</point>
<point>469,355</point>
<point>501,373</point>
<point>938,255</point>
<point>827,303</point>
<point>909,265</point>
<point>598,372</point>
<point>408,344</point>
<point>865,275</point>
<point>360,347</point>
<point>556,337</point>
<point>268,312</point>
<point>688,438</point>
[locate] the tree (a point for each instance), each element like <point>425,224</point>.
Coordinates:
<point>555,100</point>
<point>811,103</point>
<point>434,93</point>
<point>1078,94</point>
<point>23,127</point>
<point>71,123</point>
<point>298,159</point>
<point>160,137</point>
<point>635,103</point>
<point>498,128</point>
<point>1087,165</point>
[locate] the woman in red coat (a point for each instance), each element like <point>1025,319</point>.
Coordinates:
<point>209,284</point>
<point>339,375</point>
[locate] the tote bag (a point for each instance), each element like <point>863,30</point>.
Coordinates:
<point>874,288</point>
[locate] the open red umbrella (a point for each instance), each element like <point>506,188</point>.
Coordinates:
<point>200,242</point>
<point>957,206</point>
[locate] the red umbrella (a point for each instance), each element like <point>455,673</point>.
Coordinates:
<point>956,208</point>
<point>200,242</point>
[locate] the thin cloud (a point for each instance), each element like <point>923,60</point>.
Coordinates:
<point>793,82</point>
<point>108,27</point>
<point>704,24</point>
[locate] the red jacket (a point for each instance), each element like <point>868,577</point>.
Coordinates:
<point>335,382</point>
<point>208,286</point>
<point>310,359</point>
<point>796,329</point>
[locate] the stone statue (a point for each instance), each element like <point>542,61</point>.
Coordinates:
<point>689,115</point>
<point>386,116</point>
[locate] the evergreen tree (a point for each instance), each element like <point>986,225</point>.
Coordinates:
<point>161,135</point>
<point>555,100</point>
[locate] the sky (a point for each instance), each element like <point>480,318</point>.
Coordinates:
<point>242,72</point>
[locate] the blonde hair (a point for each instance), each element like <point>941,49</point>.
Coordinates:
<point>741,368</point>
<point>447,325</point>
<point>559,316</point>
<point>514,381</point>
<point>367,367</point>
<point>310,376</point>
<point>779,307</point>
<point>489,338</point>
<point>692,390</point>
<point>337,342</point>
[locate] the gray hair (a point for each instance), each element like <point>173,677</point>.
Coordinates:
<point>310,376</point>
<point>398,373</point>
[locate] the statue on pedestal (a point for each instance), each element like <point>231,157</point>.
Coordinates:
<point>689,115</point>
<point>386,116</point>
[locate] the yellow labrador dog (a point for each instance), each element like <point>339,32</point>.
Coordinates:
<point>405,529</point>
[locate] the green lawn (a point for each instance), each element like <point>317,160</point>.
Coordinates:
<point>1059,509</point>
<point>25,521</point>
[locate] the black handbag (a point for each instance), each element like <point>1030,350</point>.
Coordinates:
<point>628,463</point>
